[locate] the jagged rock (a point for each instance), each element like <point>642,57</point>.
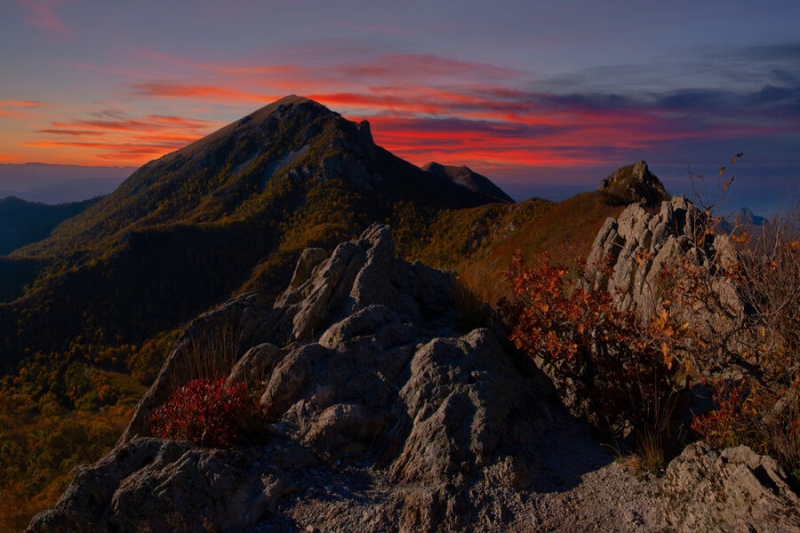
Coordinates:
<point>639,244</point>
<point>460,410</point>
<point>255,365</point>
<point>309,259</point>
<point>635,183</point>
<point>363,273</point>
<point>389,418</point>
<point>735,490</point>
<point>373,372</point>
<point>323,291</point>
<point>165,486</point>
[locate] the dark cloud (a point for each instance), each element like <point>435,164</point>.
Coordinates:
<point>774,52</point>
<point>507,130</point>
<point>694,100</point>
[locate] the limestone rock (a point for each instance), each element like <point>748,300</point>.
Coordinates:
<point>390,418</point>
<point>735,490</point>
<point>363,365</point>
<point>255,365</point>
<point>639,244</point>
<point>165,486</point>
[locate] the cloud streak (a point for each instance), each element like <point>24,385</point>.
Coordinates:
<point>204,93</point>
<point>113,136</point>
<point>42,16</point>
<point>427,107</point>
<point>17,109</point>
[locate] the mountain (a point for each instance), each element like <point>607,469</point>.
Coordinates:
<point>24,222</point>
<point>635,183</point>
<point>227,213</point>
<point>228,216</point>
<point>465,177</point>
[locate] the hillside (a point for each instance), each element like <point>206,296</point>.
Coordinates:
<point>24,222</point>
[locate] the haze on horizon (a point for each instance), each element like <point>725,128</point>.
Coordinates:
<point>543,99</point>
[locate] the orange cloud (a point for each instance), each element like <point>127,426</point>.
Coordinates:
<point>165,89</point>
<point>113,136</point>
<point>17,109</point>
<point>422,107</point>
<point>150,123</point>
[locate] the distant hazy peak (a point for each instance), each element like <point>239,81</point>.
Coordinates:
<point>466,177</point>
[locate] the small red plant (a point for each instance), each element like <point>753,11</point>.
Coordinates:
<point>208,413</point>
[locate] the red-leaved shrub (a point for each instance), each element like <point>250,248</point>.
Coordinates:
<point>208,413</point>
<point>608,366</point>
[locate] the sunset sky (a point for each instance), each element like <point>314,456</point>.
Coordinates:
<point>543,97</point>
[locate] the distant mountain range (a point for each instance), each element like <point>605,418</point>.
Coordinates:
<point>57,184</point>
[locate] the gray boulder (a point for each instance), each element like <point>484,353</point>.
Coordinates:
<point>640,244</point>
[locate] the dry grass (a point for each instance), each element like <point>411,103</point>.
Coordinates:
<point>211,353</point>
<point>484,280</point>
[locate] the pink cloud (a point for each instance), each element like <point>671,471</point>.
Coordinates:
<point>113,136</point>
<point>42,16</point>
<point>17,109</point>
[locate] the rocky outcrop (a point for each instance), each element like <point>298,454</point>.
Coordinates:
<point>631,252</point>
<point>362,363</point>
<point>165,486</point>
<point>635,183</point>
<point>734,491</point>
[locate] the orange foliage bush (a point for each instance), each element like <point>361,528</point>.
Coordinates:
<point>607,365</point>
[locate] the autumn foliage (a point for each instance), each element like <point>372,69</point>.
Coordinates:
<point>208,413</point>
<point>717,358</point>
<point>607,366</point>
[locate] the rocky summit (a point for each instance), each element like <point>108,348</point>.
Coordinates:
<point>635,183</point>
<point>391,413</point>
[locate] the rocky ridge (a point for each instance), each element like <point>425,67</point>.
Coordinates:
<point>392,417</point>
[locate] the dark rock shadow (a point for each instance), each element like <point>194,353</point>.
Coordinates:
<point>568,451</point>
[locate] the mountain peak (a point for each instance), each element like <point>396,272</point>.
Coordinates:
<point>465,177</point>
<point>635,183</point>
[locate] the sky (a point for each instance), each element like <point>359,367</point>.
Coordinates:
<point>544,97</point>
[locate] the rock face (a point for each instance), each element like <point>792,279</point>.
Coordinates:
<point>635,183</point>
<point>362,360</point>
<point>640,244</point>
<point>734,490</point>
